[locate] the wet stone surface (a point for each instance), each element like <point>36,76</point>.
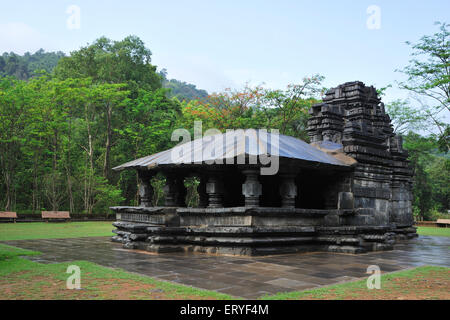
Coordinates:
<point>249,277</point>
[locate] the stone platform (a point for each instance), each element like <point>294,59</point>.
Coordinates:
<point>251,231</point>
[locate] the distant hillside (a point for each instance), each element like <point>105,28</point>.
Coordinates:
<point>181,89</point>
<point>25,67</point>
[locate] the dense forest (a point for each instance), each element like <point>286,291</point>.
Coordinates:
<point>67,120</point>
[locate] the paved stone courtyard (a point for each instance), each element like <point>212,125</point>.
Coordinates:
<point>247,277</point>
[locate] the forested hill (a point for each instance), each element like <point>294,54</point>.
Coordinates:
<point>182,90</point>
<point>24,67</point>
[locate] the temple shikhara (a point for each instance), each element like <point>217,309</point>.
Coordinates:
<point>261,193</point>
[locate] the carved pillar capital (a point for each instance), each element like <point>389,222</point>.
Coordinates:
<point>251,188</point>
<point>288,190</point>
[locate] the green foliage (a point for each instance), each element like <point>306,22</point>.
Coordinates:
<point>429,77</point>
<point>257,107</point>
<point>192,196</point>
<point>28,65</point>
<point>106,195</point>
<point>107,61</point>
<point>158,182</point>
<point>404,117</point>
<point>438,171</point>
<point>62,133</point>
<point>444,139</point>
<point>431,176</point>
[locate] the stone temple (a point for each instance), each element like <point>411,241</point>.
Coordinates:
<point>349,190</point>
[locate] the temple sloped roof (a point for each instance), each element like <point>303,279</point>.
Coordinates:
<point>232,144</point>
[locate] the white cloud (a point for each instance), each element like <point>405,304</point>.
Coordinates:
<point>20,38</point>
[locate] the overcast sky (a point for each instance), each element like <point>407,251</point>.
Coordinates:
<point>220,44</point>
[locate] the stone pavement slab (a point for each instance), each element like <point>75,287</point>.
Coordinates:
<point>247,277</point>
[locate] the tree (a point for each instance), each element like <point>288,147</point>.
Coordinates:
<point>147,128</point>
<point>29,65</point>
<point>439,173</point>
<point>109,97</point>
<point>14,102</point>
<point>431,175</point>
<point>107,61</point>
<point>257,107</point>
<point>429,75</point>
<point>404,117</point>
<point>293,105</point>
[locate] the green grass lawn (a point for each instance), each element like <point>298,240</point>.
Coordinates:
<point>24,279</point>
<point>419,283</point>
<point>433,231</point>
<point>54,230</point>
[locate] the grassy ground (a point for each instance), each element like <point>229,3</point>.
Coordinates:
<point>54,230</point>
<point>432,231</point>
<point>422,283</point>
<point>24,279</point>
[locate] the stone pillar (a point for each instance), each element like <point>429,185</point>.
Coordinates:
<point>346,200</point>
<point>288,191</point>
<point>181,192</point>
<point>203,196</point>
<point>173,190</point>
<point>215,190</point>
<point>251,188</point>
<point>145,190</point>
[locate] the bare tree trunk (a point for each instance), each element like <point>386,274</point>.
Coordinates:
<point>89,165</point>
<point>8,191</point>
<point>35,186</point>
<point>54,195</point>
<point>108,141</point>
<point>68,171</point>
<point>91,168</point>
